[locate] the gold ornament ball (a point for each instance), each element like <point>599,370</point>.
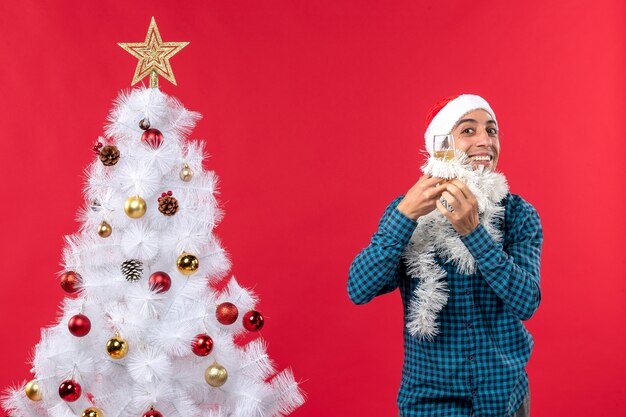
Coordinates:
<point>104,229</point>
<point>135,207</point>
<point>117,347</point>
<point>216,375</point>
<point>186,174</point>
<point>92,412</point>
<point>144,124</point>
<point>33,392</point>
<point>187,263</point>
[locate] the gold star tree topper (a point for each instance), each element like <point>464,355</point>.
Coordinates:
<point>154,56</point>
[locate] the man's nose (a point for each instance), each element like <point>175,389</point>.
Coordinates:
<point>484,139</point>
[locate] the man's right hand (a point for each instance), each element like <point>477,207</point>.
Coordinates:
<point>422,198</point>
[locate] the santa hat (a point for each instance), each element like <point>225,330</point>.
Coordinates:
<point>444,115</point>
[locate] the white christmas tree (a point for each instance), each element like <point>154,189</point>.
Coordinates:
<point>144,331</point>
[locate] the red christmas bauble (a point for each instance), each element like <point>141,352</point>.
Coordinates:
<point>227,313</point>
<point>160,282</point>
<point>152,413</point>
<point>202,344</point>
<point>79,325</point>
<point>152,137</point>
<point>70,390</point>
<point>70,281</point>
<point>253,321</point>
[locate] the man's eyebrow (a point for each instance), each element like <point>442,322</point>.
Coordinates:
<point>465,120</point>
<point>473,121</point>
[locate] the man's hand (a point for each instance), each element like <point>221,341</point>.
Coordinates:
<point>421,199</point>
<point>464,214</point>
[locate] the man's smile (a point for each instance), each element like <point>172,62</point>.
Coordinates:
<point>487,158</point>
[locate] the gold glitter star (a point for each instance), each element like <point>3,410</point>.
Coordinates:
<point>154,56</point>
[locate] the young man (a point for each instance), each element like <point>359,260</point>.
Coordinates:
<point>465,255</point>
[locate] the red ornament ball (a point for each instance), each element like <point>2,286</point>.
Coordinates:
<point>70,281</point>
<point>79,325</point>
<point>152,137</point>
<point>202,344</point>
<point>253,321</point>
<point>227,313</point>
<point>152,413</point>
<point>70,390</point>
<point>160,282</point>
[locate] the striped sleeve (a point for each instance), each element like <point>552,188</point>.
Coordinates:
<point>376,268</point>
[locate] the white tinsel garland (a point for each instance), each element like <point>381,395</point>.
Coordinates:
<point>435,236</point>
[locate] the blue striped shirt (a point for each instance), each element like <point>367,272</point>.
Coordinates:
<point>475,366</point>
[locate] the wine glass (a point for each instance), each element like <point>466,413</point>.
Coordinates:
<point>443,147</point>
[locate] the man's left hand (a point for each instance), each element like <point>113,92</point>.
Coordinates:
<point>464,214</point>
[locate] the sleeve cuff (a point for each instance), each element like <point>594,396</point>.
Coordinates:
<point>399,226</point>
<point>480,244</point>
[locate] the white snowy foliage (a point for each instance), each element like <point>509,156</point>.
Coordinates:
<point>160,369</point>
<point>255,361</point>
<point>286,395</point>
<point>140,242</point>
<point>164,112</point>
<point>144,302</point>
<point>244,298</point>
<point>147,365</point>
<point>14,399</point>
<point>174,337</point>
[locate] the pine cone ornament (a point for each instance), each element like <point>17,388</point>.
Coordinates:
<point>168,205</point>
<point>109,155</point>
<point>132,270</point>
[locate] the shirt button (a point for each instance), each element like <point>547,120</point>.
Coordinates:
<point>469,324</point>
<point>468,292</point>
<point>470,357</point>
<point>474,392</point>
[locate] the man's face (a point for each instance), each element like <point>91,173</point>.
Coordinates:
<point>476,134</point>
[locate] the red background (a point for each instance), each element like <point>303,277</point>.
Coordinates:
<point>313,113</point>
